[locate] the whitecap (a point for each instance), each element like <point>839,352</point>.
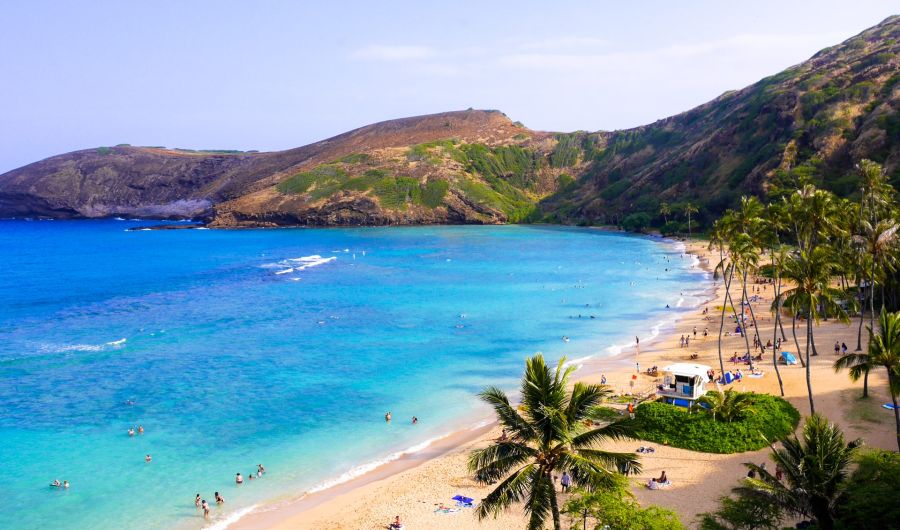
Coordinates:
<point>231,518</point>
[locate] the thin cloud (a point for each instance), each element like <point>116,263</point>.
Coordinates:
<point>393,53</point>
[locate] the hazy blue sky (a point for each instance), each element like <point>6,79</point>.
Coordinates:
<point>273,75</point>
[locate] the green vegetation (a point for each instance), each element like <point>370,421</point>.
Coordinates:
<point>508,199</point>
<point>546,436</point>
<point>567,150</point>
<point>772,418</point>
<point>434,192</point>
<point>432,152</point>
<point>327,179</point>
<point>815,466</point>
<point>103,151</point>
<point>510,163</point>
<point>357,158</point>
<point>870,498</point>
<point>615,508</point>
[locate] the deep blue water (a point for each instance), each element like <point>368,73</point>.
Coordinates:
<point>229,361</point>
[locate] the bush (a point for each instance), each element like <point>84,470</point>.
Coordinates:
<point>772,419</point>
<point>742,513</point>
<point>636,222</point>
<point>614,508</point>
<point>870,499</point>
<point>433,193</point>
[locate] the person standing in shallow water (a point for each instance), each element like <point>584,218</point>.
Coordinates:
<point>238,479</point>
<point>387,417</point>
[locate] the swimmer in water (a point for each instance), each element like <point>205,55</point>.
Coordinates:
<point>238,479</point>
<point>140,429</point>
<point>65,484</point>
<point>197,501</point>
<point>148,458</point>
<point>260,468</point>
<point>415,420</point>
<point>131,431</point>
<point>387,417</point>
<point>219,499</point>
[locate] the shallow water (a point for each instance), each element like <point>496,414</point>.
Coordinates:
<point>281,347</point>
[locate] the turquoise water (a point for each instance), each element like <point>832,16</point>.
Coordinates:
<point>231,354</point>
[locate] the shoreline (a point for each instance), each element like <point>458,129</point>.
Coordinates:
<point>588,368</point>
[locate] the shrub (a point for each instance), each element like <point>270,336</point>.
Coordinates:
<point>636,222</point>
<point>870,500</point>
<point>772,419</point>
<point>614,508</point>
<point>433,193</point>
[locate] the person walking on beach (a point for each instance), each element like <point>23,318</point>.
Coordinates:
<point>602,379</point>
<point>566,482</point>
<point>837,347</point>
<point>695,332</point>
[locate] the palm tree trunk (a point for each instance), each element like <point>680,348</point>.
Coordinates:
<point>775,331</point>
<point>554,504</point>
<point>812,405</point>
<point>722,323</point>
<point>794,331</point>
<point>894,400</point>
<point>862,313</point>
<point>744,301</point>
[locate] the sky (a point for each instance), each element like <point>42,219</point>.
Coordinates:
<point>270,75</point>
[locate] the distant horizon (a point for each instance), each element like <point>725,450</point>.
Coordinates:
<point>220,77</point>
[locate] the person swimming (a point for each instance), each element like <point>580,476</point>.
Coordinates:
<point>415,420</point>
<point>260,468</point>
<point>56,483</point>
<point>148,458</point>
<point>140,429</point>
<point>66,484</point>
<point>219,499</point>
<point>238,479</point>
<point>131,431</point>
<point>387,417</point>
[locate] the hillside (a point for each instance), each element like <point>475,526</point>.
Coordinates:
<point>815,119</point>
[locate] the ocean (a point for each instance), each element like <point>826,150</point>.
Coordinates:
<point>281,347</point>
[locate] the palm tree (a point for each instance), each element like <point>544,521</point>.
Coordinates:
<point>688,210</point>
<point>884,350</point>
<point>664,211</point>
<point>725,406</point>
<point>548,436</point>
<point>815,471</point>
<point>811,273</point>
<point>718,238</point>
<point>877,241</point>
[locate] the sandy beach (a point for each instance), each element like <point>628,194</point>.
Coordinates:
<point>416,486</point>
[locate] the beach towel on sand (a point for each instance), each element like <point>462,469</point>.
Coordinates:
<point>889,406</point>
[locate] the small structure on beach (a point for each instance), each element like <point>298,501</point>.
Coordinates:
<point>683,383</point>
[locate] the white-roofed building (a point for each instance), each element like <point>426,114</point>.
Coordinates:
<point>683,383</point>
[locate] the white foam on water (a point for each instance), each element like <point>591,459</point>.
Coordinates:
<point>57,348</point>
<point>230,519</point>
<point>368,467</point>
<point>291,265</point>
